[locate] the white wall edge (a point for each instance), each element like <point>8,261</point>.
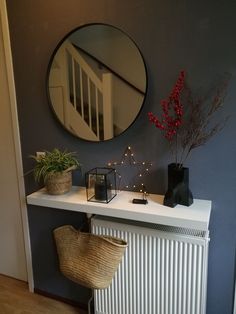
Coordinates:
<point>17,144</point>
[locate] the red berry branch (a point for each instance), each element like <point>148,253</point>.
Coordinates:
<point>172,111</point>
<point>192,127</point>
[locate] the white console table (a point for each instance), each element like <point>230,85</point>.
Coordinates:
<point>196,216</point>
<point>164,269</point>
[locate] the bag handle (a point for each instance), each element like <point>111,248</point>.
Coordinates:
<point>86,222</point>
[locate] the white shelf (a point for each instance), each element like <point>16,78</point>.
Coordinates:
<point>196,216</point>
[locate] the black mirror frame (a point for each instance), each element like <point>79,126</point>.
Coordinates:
<point>48,74</point>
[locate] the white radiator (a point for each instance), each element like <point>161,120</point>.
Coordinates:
<point>164,270</point>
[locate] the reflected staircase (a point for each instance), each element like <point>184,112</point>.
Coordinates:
<point>81,98</point>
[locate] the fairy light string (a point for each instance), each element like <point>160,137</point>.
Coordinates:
<point>143,168</point>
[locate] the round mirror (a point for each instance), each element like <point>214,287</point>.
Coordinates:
<point>96,82</point>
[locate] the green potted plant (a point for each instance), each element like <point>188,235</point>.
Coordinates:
<point>55,168</point>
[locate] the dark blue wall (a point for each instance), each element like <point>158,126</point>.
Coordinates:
<point>198,36</point>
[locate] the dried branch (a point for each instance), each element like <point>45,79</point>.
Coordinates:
<point>196,122</point>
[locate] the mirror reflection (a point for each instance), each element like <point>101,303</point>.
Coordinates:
<point>97,82</point>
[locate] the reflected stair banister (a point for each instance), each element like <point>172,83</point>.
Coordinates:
<point>107,108</point>
<point>81,88</point>
<point>85,98</point>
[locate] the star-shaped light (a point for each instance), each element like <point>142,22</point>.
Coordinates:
<point>139,170</point>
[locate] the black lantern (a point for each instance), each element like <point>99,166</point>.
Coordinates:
<point>101,184</point>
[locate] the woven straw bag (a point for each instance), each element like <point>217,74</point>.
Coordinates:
<point>88,259</point>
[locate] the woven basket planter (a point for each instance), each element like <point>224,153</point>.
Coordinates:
<point>59,183</point>
<point>88,259</point>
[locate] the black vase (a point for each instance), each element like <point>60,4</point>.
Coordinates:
<point>178,186</point>
<point>102,190</point>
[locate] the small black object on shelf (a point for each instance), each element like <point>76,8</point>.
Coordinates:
<point>139,201</point>
<point>143,200</point>
<point>101,184</point>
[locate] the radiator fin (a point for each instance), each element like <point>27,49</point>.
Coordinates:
<point>157,275</point>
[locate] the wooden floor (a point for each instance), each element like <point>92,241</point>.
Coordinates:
<point>16,299</point>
